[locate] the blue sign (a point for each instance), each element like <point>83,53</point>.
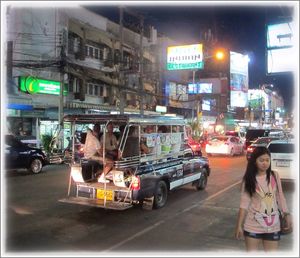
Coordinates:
<point>20,106</point>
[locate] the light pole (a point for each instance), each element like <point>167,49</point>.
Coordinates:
<point>219,55</point>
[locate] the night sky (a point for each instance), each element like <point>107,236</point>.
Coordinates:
<point>240,28</point>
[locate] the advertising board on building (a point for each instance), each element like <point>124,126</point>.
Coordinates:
<point>35,85</point>
<point>185,57</point>
<point>239,80</point>
<point>280,47</point>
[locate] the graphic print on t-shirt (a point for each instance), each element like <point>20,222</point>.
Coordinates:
<point>268,215</point>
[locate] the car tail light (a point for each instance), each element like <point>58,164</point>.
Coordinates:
<point>135,183</point>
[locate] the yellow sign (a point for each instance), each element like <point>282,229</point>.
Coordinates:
<point>108,193</point>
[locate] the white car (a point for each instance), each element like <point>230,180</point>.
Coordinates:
<point>283,158</point>
<point>229,145</point>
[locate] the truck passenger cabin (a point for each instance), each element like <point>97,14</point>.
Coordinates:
<point>153,157</point>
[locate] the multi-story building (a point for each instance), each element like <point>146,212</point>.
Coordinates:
<point>101,69</point>
<point>264,107</point>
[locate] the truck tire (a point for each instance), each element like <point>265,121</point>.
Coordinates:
<point>202,182</point>
<point>160,195</point>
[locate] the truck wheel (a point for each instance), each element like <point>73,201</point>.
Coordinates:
<point>36,166</point>
<point>202,182</point>
<point>160,195</point>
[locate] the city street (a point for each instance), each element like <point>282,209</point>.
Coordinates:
<point>191,221</point>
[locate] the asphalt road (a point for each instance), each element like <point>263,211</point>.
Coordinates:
<point>193,222</point>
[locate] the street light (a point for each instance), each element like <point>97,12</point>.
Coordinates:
<point>219,55</point>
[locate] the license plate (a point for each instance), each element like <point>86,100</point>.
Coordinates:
<point>102,193</point>
<point>282,163</point>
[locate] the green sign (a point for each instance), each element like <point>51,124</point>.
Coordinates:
<point>172,66</point>
<point>34,85</point>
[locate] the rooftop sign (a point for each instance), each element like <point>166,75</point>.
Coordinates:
<point>185,57</point>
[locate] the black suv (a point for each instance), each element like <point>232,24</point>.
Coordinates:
<point>20,155</point>
<point>253,134</point>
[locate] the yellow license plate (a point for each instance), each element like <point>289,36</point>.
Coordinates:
<point>102,193</point>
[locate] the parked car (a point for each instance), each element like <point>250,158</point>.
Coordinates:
<point>259,142</point>
<point>20,155</point>
<point>229,145</point>
<point>283,158</point>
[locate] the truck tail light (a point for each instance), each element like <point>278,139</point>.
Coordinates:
<point>135,183</point>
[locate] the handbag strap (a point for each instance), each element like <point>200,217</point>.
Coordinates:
<point>279,198</point>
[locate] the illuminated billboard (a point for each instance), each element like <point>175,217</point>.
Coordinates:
<point>185,57</point>
<point>239,80</point>
<point>33,85</point>
<point>177,93</point>
<point>209,104</point>
<point>196,88</point>
<point>280,35</point>
<point>280,60</point>
<point>279,47</point>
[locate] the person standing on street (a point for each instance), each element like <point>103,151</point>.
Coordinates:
<point>261,198</point>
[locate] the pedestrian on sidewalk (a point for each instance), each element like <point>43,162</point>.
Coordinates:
<point>261,199</point>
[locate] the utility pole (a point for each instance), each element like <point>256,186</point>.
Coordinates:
<point>193,115</point>
<point>121,74</point>
<point>9,88</point>
<point>141,66</point>
<point>61,96</point>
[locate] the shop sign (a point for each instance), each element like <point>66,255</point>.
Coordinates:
<point>13,112</point>
<point>34,113</point>
<point>33,85</point>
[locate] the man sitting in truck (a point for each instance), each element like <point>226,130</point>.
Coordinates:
<point>111,143</point>
<point>93,151</point>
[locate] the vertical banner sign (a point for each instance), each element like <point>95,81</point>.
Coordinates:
<point>238,80</point>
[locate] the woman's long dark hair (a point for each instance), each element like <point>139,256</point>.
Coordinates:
<point>251,170</point>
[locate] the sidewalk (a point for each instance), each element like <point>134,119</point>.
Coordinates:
<point>206,228</point>
<point>222,212</point>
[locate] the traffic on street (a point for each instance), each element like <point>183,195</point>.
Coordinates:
<point>135,129</point>
<point>36,222</point>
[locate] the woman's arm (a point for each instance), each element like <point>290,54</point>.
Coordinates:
<point>239,232</point>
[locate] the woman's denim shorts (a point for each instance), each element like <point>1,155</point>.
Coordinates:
<point>275,236</point>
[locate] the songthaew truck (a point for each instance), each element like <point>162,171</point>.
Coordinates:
<point>136,175</point>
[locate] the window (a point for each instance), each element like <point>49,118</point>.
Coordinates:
<point>91,89</point>
<point>96,53</point>
<point>71,88</point>
<point>91,51</point>
<point>96,90</point>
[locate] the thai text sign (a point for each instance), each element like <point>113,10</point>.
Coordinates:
<point>185,57</point>
<point>35,85</point>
